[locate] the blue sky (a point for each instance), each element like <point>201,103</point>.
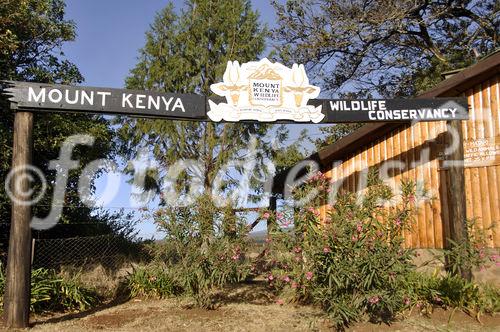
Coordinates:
<point>109,35</point>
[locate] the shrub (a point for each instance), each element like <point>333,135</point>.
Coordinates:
<point>452,291</point>
<point>49,292</point>
<point>204,248</point>
<point>468,254</point>
<point>71,294</point>
<point>153,281</point>
<point>354,264</point>
<point>351,265</point>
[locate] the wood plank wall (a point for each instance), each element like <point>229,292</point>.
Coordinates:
<point>410,144</point>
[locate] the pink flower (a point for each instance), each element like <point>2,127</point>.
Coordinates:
<point>354,238</point>
<point>270,277</point>
<point>373,299</point>
<point>359,227</point>
<point>309,275</point>
<point>398,222</point>
<point>268,240</point>
<point>326,250</point>
<point>279,215</point>
<point>286,279</point>
<point>280,302</point>
<point>235,257</point>
<point>266,215</point>
<point>285,223</point>
<point>294,284</point>
<point>407,301</point>
<point>316,212</point>
<point>297,250</point>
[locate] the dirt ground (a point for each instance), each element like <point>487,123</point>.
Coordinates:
<point>248,308</point>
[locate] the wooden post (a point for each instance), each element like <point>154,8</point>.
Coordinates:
<point>271,222</point>
<point>17,289</point>
<point>456,194</point>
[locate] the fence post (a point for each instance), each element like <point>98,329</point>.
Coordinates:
<point>456,193</point>
<point>17,288</point>
<point>32,250</point>
<point>271,222</point>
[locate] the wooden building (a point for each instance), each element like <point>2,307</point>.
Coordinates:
<point>376,143</point>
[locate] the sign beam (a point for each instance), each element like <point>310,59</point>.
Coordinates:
<point>38,97</point>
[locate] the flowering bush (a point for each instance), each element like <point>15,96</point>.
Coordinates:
<point>351,264</point>
<point>469,254</point>
<point>204,248</point>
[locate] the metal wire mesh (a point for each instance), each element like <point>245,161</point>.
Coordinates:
<point>4,241</point>
<point>106,249</point>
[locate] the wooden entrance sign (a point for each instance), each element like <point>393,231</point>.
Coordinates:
<point>43,98</point>
<point>254,92</point>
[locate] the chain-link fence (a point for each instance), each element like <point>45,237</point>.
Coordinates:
<point>104,249</point>
<point>4,242</point>
<point>61,246</point>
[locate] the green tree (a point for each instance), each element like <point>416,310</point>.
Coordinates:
<point>333,133</point>
<point>186,53</point>
<point>369,47</point>
<point>284,155</point>
<point>31,36</point>
<point>364,48</point>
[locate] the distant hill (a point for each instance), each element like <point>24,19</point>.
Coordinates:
<point>258,236</point>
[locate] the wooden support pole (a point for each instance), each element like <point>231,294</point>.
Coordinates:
<point>456,193</point>
<point>271,222</point>
<point>17,289</point>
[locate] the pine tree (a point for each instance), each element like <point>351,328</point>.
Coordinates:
<point>186,53</point>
